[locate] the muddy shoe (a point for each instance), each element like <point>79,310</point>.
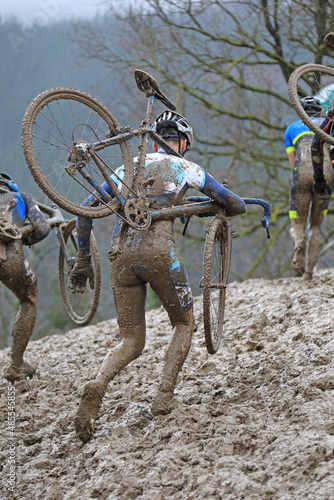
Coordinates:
<point>298,270</point>
<point>163,403</point>
<point>308,276</point>
<point>26,370</point>
<point>90,404</point>
<point>298,266</point>
<point>298,261</point>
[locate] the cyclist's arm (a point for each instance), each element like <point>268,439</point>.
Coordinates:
<point>233,204</point>
<point>292,157</point>
<point>289,147</point>
<point>37,219</point>
<point>84,224</point>
<point>199,179</point>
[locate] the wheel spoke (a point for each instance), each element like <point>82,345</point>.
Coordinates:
<point>215,273</point>
<point>81,308</point>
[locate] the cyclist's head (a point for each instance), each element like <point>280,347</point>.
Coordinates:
<point>311,105</point>
<point>171,125</point>
<point>7,181</point>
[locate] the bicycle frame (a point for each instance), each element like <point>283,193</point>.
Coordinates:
<point>124,134</point>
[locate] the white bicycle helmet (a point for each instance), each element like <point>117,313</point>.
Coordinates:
<point>172,120</point>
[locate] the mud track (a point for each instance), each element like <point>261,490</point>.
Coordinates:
<point>254,421</point>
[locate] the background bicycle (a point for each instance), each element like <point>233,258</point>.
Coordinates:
<point>313,80</point>
<point>81,308</point>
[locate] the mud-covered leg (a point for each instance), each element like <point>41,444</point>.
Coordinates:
<point>175,295</point>
<point>319,208</point>
<point>18,276</point>
<point>130,305</point>
<point>297,233</point>
<point>323,167</point>
<point>176,354</point>
<point>299,204</point>
<point>313,247</point>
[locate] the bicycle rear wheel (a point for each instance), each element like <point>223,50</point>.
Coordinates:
<point>313,80</point>
<point>216,265</point>
<point>81,307</point>
<point>55,123</point>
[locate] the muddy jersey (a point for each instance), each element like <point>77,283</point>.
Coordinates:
<point>25,208</point>
<point>298,138</point>
<point>172,177</point>
<point>17,212</point>
<point>296,130</point>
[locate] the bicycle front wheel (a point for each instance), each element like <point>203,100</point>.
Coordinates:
<point>60,130</point>
<point>216,266</point>
<point>313,80</point>
<point>80,307</point>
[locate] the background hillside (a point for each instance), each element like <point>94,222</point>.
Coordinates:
<point>32,62</point>
<point>67,54</point>
<point>253,421</point>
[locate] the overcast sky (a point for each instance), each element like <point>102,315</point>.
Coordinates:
<point>40,11</point>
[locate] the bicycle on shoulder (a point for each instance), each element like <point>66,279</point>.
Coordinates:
<point>73,146</point>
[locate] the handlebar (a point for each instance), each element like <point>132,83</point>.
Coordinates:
<point>266,212</point>
<point>55,218</point>
<point>249,201</point>
<point>54,213</point>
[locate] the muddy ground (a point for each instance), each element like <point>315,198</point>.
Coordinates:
<point>254,421</point>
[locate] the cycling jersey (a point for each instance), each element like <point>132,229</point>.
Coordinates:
<point>297,130</point>
<point>172,177</point>
<point>26,208</point>
<point>18,212</point>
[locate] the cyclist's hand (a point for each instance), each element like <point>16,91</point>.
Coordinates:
<point>81,271</point>
<point>322,188</point>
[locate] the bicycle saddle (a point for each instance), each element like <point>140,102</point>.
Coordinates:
<point>147,84</point>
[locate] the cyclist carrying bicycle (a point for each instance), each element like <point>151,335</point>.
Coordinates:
<point>303,198</point>
<point>15,271</point>
<point>149,256</point>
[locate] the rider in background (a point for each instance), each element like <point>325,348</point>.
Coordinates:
<point>16,209</point>
<point>303,199</point>
<point>149,256</point>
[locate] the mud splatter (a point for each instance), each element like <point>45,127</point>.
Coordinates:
<point>256,420</point>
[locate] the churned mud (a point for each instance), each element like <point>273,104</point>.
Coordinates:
<point>254,421</point>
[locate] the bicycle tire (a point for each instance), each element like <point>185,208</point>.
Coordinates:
<point>53,120</point>
<point>316,80</point>
<point>81,308</point>
<point>216,265</point>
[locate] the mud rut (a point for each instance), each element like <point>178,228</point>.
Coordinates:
<point>254,421</point>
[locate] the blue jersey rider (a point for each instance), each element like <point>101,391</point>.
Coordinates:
<point>304,201</point>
